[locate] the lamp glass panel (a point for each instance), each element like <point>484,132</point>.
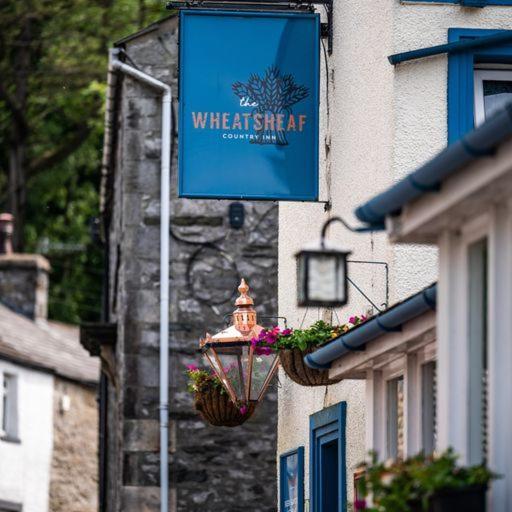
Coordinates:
<point>261,366</point>
<point>232,362</point>
<point>326,277</point>
<point>302,262</point>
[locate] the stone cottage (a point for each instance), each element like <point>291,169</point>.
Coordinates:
<point>48,388</point>
<point>213,245</point>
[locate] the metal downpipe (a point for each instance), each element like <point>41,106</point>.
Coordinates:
<point>165,174</point>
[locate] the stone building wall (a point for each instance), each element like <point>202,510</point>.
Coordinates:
<point>74,467</point>
<point>212,469</point>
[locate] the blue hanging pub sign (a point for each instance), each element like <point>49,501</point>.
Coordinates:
<point>249,97</point>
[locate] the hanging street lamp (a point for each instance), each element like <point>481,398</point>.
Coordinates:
<point>244,370</point>
<point>322,278</point>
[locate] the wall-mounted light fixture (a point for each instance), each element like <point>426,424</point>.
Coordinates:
<point>322,272</point>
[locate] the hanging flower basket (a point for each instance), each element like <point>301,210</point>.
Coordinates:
<point>216,408</point>
<point>292,361</point>
<point>293,345</point>
<point>213,402</point>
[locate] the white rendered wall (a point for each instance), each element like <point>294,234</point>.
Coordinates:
<point>25,467</point>
<point>384,122</point>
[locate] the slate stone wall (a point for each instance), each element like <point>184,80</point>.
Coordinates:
<point>212,469</point>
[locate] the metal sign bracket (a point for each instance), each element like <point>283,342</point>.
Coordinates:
<point>262,6</point>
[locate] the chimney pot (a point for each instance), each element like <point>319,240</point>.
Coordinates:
<point>6,231</point>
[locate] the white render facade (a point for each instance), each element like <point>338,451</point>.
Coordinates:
<point>25,460</point>
<point>383,122</point>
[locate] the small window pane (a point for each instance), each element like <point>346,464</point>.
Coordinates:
<point>9,409</point>
<point>497,93</point>
<point>477,350</point>
<point>395,418</point>
<point>428,409</point>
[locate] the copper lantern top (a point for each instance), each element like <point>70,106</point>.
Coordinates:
<point>244,326</point>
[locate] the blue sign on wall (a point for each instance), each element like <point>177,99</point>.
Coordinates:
<point>291,481</point>
<point>249,105</point>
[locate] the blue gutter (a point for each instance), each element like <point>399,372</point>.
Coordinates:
<point>388,321</point>
<point>478,143</point>
<point>455,47</point>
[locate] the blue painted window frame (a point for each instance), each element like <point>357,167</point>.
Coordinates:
<point>467,3</point>
<point>300,493</point>
<point>325,426</point>
<point>461,78</point>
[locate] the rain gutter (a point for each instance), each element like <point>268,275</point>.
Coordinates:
<point>390,320</point>
<point>165,162</point>
<point>478,143</point>
<point>455,47</point>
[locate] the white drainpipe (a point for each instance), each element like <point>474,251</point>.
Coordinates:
<point>116,65</point>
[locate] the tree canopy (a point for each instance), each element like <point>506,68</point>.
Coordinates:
<point>53,66</point>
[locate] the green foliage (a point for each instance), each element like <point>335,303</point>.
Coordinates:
<point>399,485</point>
<point>316,335</point>
<point>319,333</point>
<point>200,381</point>
<point>53,66</point>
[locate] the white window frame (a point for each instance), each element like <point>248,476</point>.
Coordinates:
<point>481,75</point>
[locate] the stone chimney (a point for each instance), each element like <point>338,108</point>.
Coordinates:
<point>23,277</point>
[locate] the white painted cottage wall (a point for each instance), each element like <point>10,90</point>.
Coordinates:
<point>25,467</point>
<point>384,122</point>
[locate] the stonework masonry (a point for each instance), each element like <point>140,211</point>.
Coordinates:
<point>74,469</point>
<point>212,469</point>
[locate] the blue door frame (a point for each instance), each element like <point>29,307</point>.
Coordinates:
<point>328,468</point>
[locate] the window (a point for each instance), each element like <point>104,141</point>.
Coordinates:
<point>9,407</point>
<point>328,459</point>
<point>291,478</point>
<point>477,82</point>
<point>428,407</point>
<point>493,90</point>
<point>395,418</point>
<point>478,351</point>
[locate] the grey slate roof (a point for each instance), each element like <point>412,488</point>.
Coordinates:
<point>49,346</point>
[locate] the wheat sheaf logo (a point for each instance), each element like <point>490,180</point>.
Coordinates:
<point>271,97</point>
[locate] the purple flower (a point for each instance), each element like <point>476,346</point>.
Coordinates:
<point>352,320</point>
<point>286,332</point>
<point>243,410</point>
<point>360,504</point>
<point>192,367</point>
<point>263,351</point>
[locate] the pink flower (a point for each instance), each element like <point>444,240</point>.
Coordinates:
<point>286,332</point>
<point>192,367</point>
<point>243,410</point>
<point>352,320</point>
